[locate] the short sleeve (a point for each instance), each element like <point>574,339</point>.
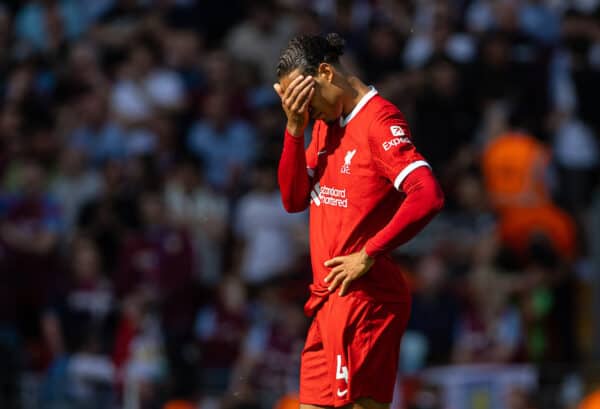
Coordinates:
<point>392,150</point>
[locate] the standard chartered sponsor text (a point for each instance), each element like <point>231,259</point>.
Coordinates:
<point>332,196</point>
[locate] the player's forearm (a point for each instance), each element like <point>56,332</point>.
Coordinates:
<point>294,182</point>
<point>424,199</point>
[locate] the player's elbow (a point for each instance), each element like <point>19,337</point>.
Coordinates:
<point>437,200</point>
<point>293,204</point>
<point>292,207</point>
<point>430,198</point>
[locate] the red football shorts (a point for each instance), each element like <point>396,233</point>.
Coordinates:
<point>351,351</point>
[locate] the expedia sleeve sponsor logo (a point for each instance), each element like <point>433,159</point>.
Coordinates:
<point>394,142</point>
<point>396,130</point>
<point>328,195</point>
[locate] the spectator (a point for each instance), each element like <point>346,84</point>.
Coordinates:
<point>119,23</point>
<point>194,205</point>
<point>30,231</point>
<point>260,223</point>
<point>440,110</point>
<point>546,301</point>
<point>158,259</point>
<point>577,159</point>
<point>220,325</point>
<point>74,185</point>
<point>97,135</point>
<point>225,144</point>
<point>270,354</point>
<point>514,165</point>
<point>156,263</point>
<point>84,70</point>
<point>259,39</point>
<point>47,24</point>
<point>435,311</point>
<point>268,122</point>
<point>78,328</point>
<point>144,87</point>
<point>539,20</point>
<point>11,124</point>
<point>438,38</point>
<point>223,78</point>
<point>109,216</point>
<point>518,228</point>
<point>138,352</point>
<point>383,48</point>
<point>350,19</point>
<point>83,308</point>
<point>5,35</point>
<point>184,52</point>
<point>490,328</point>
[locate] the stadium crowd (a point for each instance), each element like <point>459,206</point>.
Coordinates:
<point>146,260</point>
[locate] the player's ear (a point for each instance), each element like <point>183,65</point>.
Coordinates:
<point>326,71</point>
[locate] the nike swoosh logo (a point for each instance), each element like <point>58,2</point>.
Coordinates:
<point>341,393</point>
<point>323,152</point>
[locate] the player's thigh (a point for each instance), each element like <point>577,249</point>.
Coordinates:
<point>315,389</point>
<point>363,349</point>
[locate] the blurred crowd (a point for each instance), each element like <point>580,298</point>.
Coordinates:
<point>145,257</point>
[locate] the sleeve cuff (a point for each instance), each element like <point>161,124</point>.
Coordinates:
<point>406,171</point>
<point>289,138</point>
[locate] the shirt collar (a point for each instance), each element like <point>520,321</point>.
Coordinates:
<point>366,98</point>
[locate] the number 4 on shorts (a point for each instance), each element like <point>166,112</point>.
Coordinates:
<point>342,371</point>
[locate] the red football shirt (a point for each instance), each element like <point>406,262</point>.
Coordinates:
<point>357,166</point>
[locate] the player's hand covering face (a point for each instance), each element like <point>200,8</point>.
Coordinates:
<point>296,92</point>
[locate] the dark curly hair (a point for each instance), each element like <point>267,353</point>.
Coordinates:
<point>308,51</point>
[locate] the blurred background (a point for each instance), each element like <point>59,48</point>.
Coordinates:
<point>145,258</point>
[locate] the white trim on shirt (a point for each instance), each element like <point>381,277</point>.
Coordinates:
<point>406,171</point>
<point>366,98</point>
<point>310,171</point>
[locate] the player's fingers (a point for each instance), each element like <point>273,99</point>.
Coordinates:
<point>336,282</point>
<point>291,86</point>
<point>296,90</point>
<point>334,273</point>
<point>334,261</point>
<point>301,97</point>
<point>307,100</point>
<point>277,88</point>
<point>345,284</point>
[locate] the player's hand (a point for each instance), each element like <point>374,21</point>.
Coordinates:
<point>346,269</point>
<point>295,100</point>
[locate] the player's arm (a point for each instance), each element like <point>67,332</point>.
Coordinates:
<point>424,199</point>
<point>395,158</point>
<point>294,181</point>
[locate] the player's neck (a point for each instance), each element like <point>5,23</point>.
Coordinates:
<point>354,91</point>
